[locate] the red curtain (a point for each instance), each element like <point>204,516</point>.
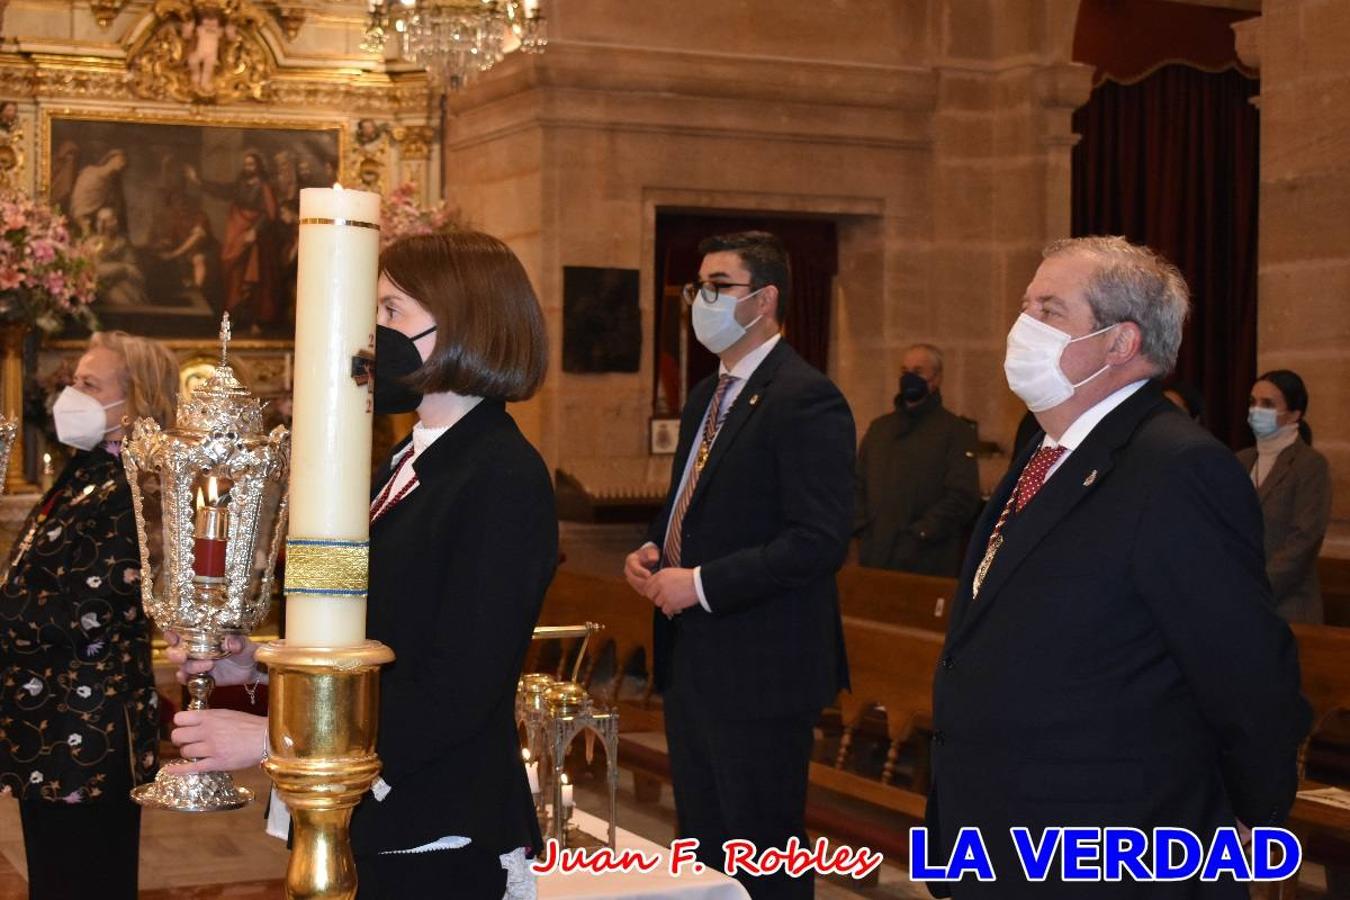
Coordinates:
<point>1171,161</point>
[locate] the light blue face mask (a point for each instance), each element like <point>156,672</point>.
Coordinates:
<point>715,323</point>
<point>1263,421</point>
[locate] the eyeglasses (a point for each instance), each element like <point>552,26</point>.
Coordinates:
<point>706,291</point>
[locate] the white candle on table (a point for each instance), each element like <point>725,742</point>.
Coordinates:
<point>330,432</point>
<point>567,793</point>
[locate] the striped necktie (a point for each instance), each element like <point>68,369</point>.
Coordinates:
<point>671,551</point>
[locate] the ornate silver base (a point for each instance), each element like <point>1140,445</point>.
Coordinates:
<point>192,791</point>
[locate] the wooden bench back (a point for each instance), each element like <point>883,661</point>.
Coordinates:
<point>1334,575</point>
<point>1324,661</point>
<point>890,666</point>
<point>896,598</point>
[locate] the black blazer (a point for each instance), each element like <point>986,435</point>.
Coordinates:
<point>1123,664</point>
<point>458,572</point>
<point>769,523</point>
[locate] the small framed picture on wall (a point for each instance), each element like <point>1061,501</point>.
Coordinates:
<point>664,436</point>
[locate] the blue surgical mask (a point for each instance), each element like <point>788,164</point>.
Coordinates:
<point>1263,421</point>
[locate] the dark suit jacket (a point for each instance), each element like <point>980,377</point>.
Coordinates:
<point>769,523</point>
<point>1123,664</point>
<point>458,572</point>
<point>1296,506</point>
<point>918,490</point>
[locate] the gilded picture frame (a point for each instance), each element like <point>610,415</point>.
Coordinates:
<point>191,216</point>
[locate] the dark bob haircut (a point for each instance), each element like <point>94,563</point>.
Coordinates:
<point>490,336</point>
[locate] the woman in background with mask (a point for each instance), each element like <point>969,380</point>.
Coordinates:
<point>1294,484</point>
<point>79,723</point>
<point>463,545</point>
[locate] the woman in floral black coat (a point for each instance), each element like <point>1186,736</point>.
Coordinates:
<point>78,713</point>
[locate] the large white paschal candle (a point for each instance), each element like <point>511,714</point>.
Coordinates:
<point>327,548</point>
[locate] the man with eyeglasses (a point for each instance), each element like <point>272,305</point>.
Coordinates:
<point>740,565</point>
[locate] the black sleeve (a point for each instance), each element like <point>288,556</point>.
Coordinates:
<point>1198,564</point>
<point>861,516</point>
<point>814,460</point>
<point>494,586</point>
<point>960,499</point>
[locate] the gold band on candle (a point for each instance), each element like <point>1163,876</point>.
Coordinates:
<point>332,568</point>
<point>317,220</point>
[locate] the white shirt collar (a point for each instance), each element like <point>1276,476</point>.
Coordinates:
<point>1082,426</point>
<point>750,362</point>
<point>423,437</point>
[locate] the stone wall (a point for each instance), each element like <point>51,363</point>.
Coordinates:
<point>1304,315</point>
<point>935,134</point>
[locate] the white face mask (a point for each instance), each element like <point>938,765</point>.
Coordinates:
<point>1032,363</point>
<point>80,419</point>
<point>715,323</point>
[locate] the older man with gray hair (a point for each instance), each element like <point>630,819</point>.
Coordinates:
<point>1113,657</point>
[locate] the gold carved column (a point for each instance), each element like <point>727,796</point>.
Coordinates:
<point>11,379</point>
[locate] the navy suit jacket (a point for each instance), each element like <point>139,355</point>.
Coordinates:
<point>769,523</point>
<point>1123,664</point>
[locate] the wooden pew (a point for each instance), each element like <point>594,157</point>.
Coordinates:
<point>891,668</point>
<point>1324,661</point>
<point>1334,574</point>
<point>575,598</point>
<point>896,598</point>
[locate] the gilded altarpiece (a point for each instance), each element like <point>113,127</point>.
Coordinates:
<point>224,107</point>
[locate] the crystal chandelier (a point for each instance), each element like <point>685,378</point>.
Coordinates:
<point>455,40</point>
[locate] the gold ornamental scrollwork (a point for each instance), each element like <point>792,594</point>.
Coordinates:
<point>202,51</point>
<point>105,11</point>
<point>415,141</point>
<point>12,143</point>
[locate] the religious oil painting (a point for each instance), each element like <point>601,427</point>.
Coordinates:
<point>602,329</point>
<point>191,219</point>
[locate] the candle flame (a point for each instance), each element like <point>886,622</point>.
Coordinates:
<point>337,186</point>
<point>525,753</point>
<point>212,491</point>
<point>565,779</point>
<point>201,498</point>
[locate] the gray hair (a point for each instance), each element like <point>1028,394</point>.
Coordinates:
<point>1134,284</point>
<point>931,350</point>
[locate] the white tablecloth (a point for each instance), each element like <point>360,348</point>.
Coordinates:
<point>658,885</point>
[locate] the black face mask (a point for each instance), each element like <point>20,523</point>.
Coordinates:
<point>913,387</point>
<point>396,358</point>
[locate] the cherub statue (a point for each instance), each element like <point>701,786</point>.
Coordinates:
<point>203,33</point>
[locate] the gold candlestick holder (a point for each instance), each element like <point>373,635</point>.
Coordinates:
<point>321,726</point>
<point>553,714</point>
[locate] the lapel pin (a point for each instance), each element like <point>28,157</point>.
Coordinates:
<point>1092,477</point>
<point>754,399</point>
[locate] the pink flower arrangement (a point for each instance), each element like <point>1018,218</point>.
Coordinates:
<point>402,216</point>
<point>49,275</point>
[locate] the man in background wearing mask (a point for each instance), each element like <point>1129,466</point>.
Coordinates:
<point>740,565</point>
<point>918,484</point>
<point>1113,657</point>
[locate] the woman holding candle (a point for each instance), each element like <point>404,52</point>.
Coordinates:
<point>79,722</point>
<point>463,544</point>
